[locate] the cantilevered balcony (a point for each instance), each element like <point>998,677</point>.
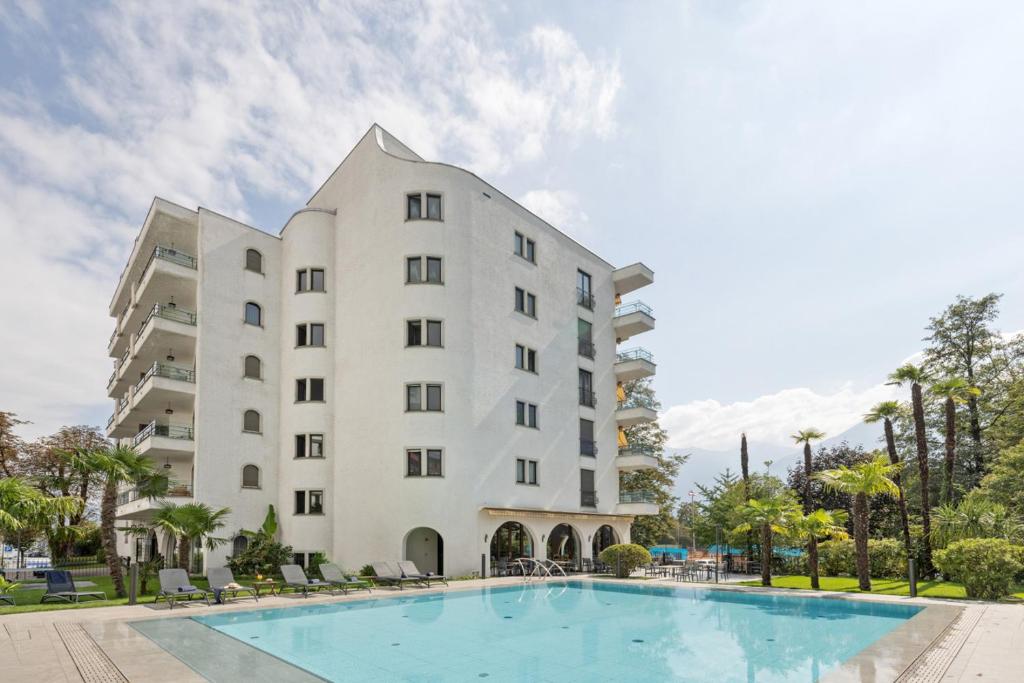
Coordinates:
<point>633,412</point>
<point>166,331</point>
<point>634,458</point>
<point>634,364</point>
<point>162,390</point>
<point>134,504</point>
<point>632,319</point>
<point>631,278</point>
<point>637,503</point>
<point>164,441</point>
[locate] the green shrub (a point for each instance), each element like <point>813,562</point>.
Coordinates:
<point>837,558</point>
<point>887,559</point>
<point>367,570</point>
<point>261,557</point>
<point>315,561</point>
<point>986,566</point>
<point>625,557</point>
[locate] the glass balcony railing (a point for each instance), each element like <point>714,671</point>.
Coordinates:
<point>169,254</point>
<point>637,450</point>
<point>637,401</point>
<point>168,312</point>
<point>634,354</point>
<point>174,490</point>
<point>637,497</point>
<point>170,431</point>
<point>584,298</point>
<point>169,371</point>
<point>633,307</point>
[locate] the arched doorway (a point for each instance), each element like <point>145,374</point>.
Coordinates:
<point>239,545</point>
<point>425,547</point>
<point>564,546</point>
<point>510,541</point>
<point>153,548</point>
<point>603,537</point>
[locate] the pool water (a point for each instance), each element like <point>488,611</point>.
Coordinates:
<point>568,631</point>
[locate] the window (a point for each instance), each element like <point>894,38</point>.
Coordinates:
<point>584,295</point>
<point>587,396</point>
<point>414,333</point>
<point>525,247</point>
<point>587,444</point>
<point>250,477</point>
<point>588,495</point>
<point>413,207</point>
<point>307,390</point>
<point>239,545</point>
<point>415,273</point>
<point>526,302</point>
<point>253,368</point>
<point>309,280</point>
<point>309,502</point>
<point>309,334</point>
<point>526,471</point>
<point>414,462</point>
<point>434,207</point>
<point>585,333</point>
<point>253,261</point>
<point>526,358</point>
<point>251,422</point>
<point>309,445</point>
<point>526,414</point>
<point>414,394</point>
<point>253,314</point>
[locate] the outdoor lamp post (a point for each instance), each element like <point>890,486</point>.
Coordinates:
<point>693,519</point>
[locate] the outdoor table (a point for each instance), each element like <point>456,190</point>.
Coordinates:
<point>269,584</point>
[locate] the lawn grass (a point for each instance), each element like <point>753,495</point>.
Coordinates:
<point>848,584</point>
<point>28,600</point>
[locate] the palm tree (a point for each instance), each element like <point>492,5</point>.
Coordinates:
<point>975,517</point>
<point>811,527</point>
<point>23,505</point>
<point>745,471</point>
<point>952,391</point>
<point>886,412</point>
<point>167,520</point>
<point>198,522</point>
<point>914,376</point>
<point>863,481</point>
<point>805,437</point>
<point>770,515</point>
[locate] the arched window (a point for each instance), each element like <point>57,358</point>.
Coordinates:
<point>251,421</point>
<point>239,545</point>
<point>250,477</point>
<point>253,261</point>
<point>253,367</point>
<point>253,314</point>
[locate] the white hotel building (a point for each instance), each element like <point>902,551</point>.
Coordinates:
<point>416,367</point>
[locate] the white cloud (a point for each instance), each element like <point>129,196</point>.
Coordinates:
<point>560,208</point>
<point>770,419</point>
<point>215,104</point>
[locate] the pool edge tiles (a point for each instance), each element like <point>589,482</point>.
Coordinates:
<point>218,657</point>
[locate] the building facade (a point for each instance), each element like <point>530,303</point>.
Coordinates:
<point>417,367</point>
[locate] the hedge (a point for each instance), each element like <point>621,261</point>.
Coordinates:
<point>986,566</point>
<point>625,557</point>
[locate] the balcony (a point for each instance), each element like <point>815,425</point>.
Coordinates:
<point>633,412</point>
<point>634,458</point>
<point>637,503</point>
<point>632,319</point>
<point>634,364</point>
<point>588,499</point>
<point>586,348</point>
<point>587,397</point>
<point>161,441</point>
<point>631,278</point>
<point>133,504</point>
<point>588,447</point>
<point>585,298</point>
<point>162,390</point>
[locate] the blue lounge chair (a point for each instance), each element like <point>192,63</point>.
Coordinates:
<point>60,586</point>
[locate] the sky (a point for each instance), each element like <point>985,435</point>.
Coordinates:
<point>809,181</point>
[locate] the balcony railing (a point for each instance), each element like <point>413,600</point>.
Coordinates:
<point>586,348</point>
<point>637,450</point>
<point>124,357</point>
<point>587,397</point>
<point>174,490</point>
<point>633,307</point>
<point>110,420</point>
<point>169,254</point>
<point>169,371</point>
<point>637,401</point>
<point>637,497</point>
<point>170,431</point>
<point>122,404</point>
<point>588,499</point>
<point>113,376</point>
<point>588,447</point>
<point>634,354</point>
<point>113,335</point>
<point>584,298</point>
<point>168,312</point>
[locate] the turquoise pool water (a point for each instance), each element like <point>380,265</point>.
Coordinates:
<point>569,631</point>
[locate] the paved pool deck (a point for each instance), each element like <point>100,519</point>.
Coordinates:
<point>952,640</point>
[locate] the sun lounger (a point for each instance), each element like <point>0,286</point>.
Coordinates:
<point>295,579</point>
<point>174,586</point>
<point>60,586</point>
<point>8,598</point>
<point>391,576</point>
<point>333,575</point>
<point>410,570</point>
<point>223,581</point>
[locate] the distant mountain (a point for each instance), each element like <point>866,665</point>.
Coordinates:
<point>705,464</point>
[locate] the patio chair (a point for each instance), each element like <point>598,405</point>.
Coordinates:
<point>295,579</point>
<point>333,575</point>
<point>222,581</point>
<point>60,586</point>
<point>388,576</point>
<point>8,599</point>
<point>411,571</point>
<point>175,585</point>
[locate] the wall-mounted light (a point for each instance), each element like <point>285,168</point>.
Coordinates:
<point>171,304</point>
<point>170,355</point>
<point>169,410</point>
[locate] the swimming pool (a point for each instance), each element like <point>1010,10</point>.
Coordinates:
<point>565,631</point>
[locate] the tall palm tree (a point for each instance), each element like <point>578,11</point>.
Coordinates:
<point>820,524</point>
<point>745,471</point>
<point>24,505</point>
<point>915,376</point>
<point>952,391</point>
<point>886,412</point>
<point>197,523</point>
<point>805,437</point>
<point>863,481</point>
<point>769,516</point>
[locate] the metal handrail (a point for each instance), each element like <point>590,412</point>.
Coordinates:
<point>586,348</point>
<point>633,307</point>
<point>124,357</point>
<point>588,447</point>
<point>168,312</point>
<point>113,335</point>
<point>170,431</point>
<point>585,298</point>
<point>123,403</point>
<point>588,499</point>
<point>634,354</point>
<point>113,376</point>
<point>159,369</point>
<point>637,450</point>
<point>637,497</point>
<point>587,398</point>
<point>174,490</point>
<point>169,254</point>
<point>110,420</point>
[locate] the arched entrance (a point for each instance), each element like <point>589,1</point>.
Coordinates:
<point>564,546</point>
<point>425,547</point>
<point>510,541</point>
<point>603,537</point>
<point>153,548</point>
